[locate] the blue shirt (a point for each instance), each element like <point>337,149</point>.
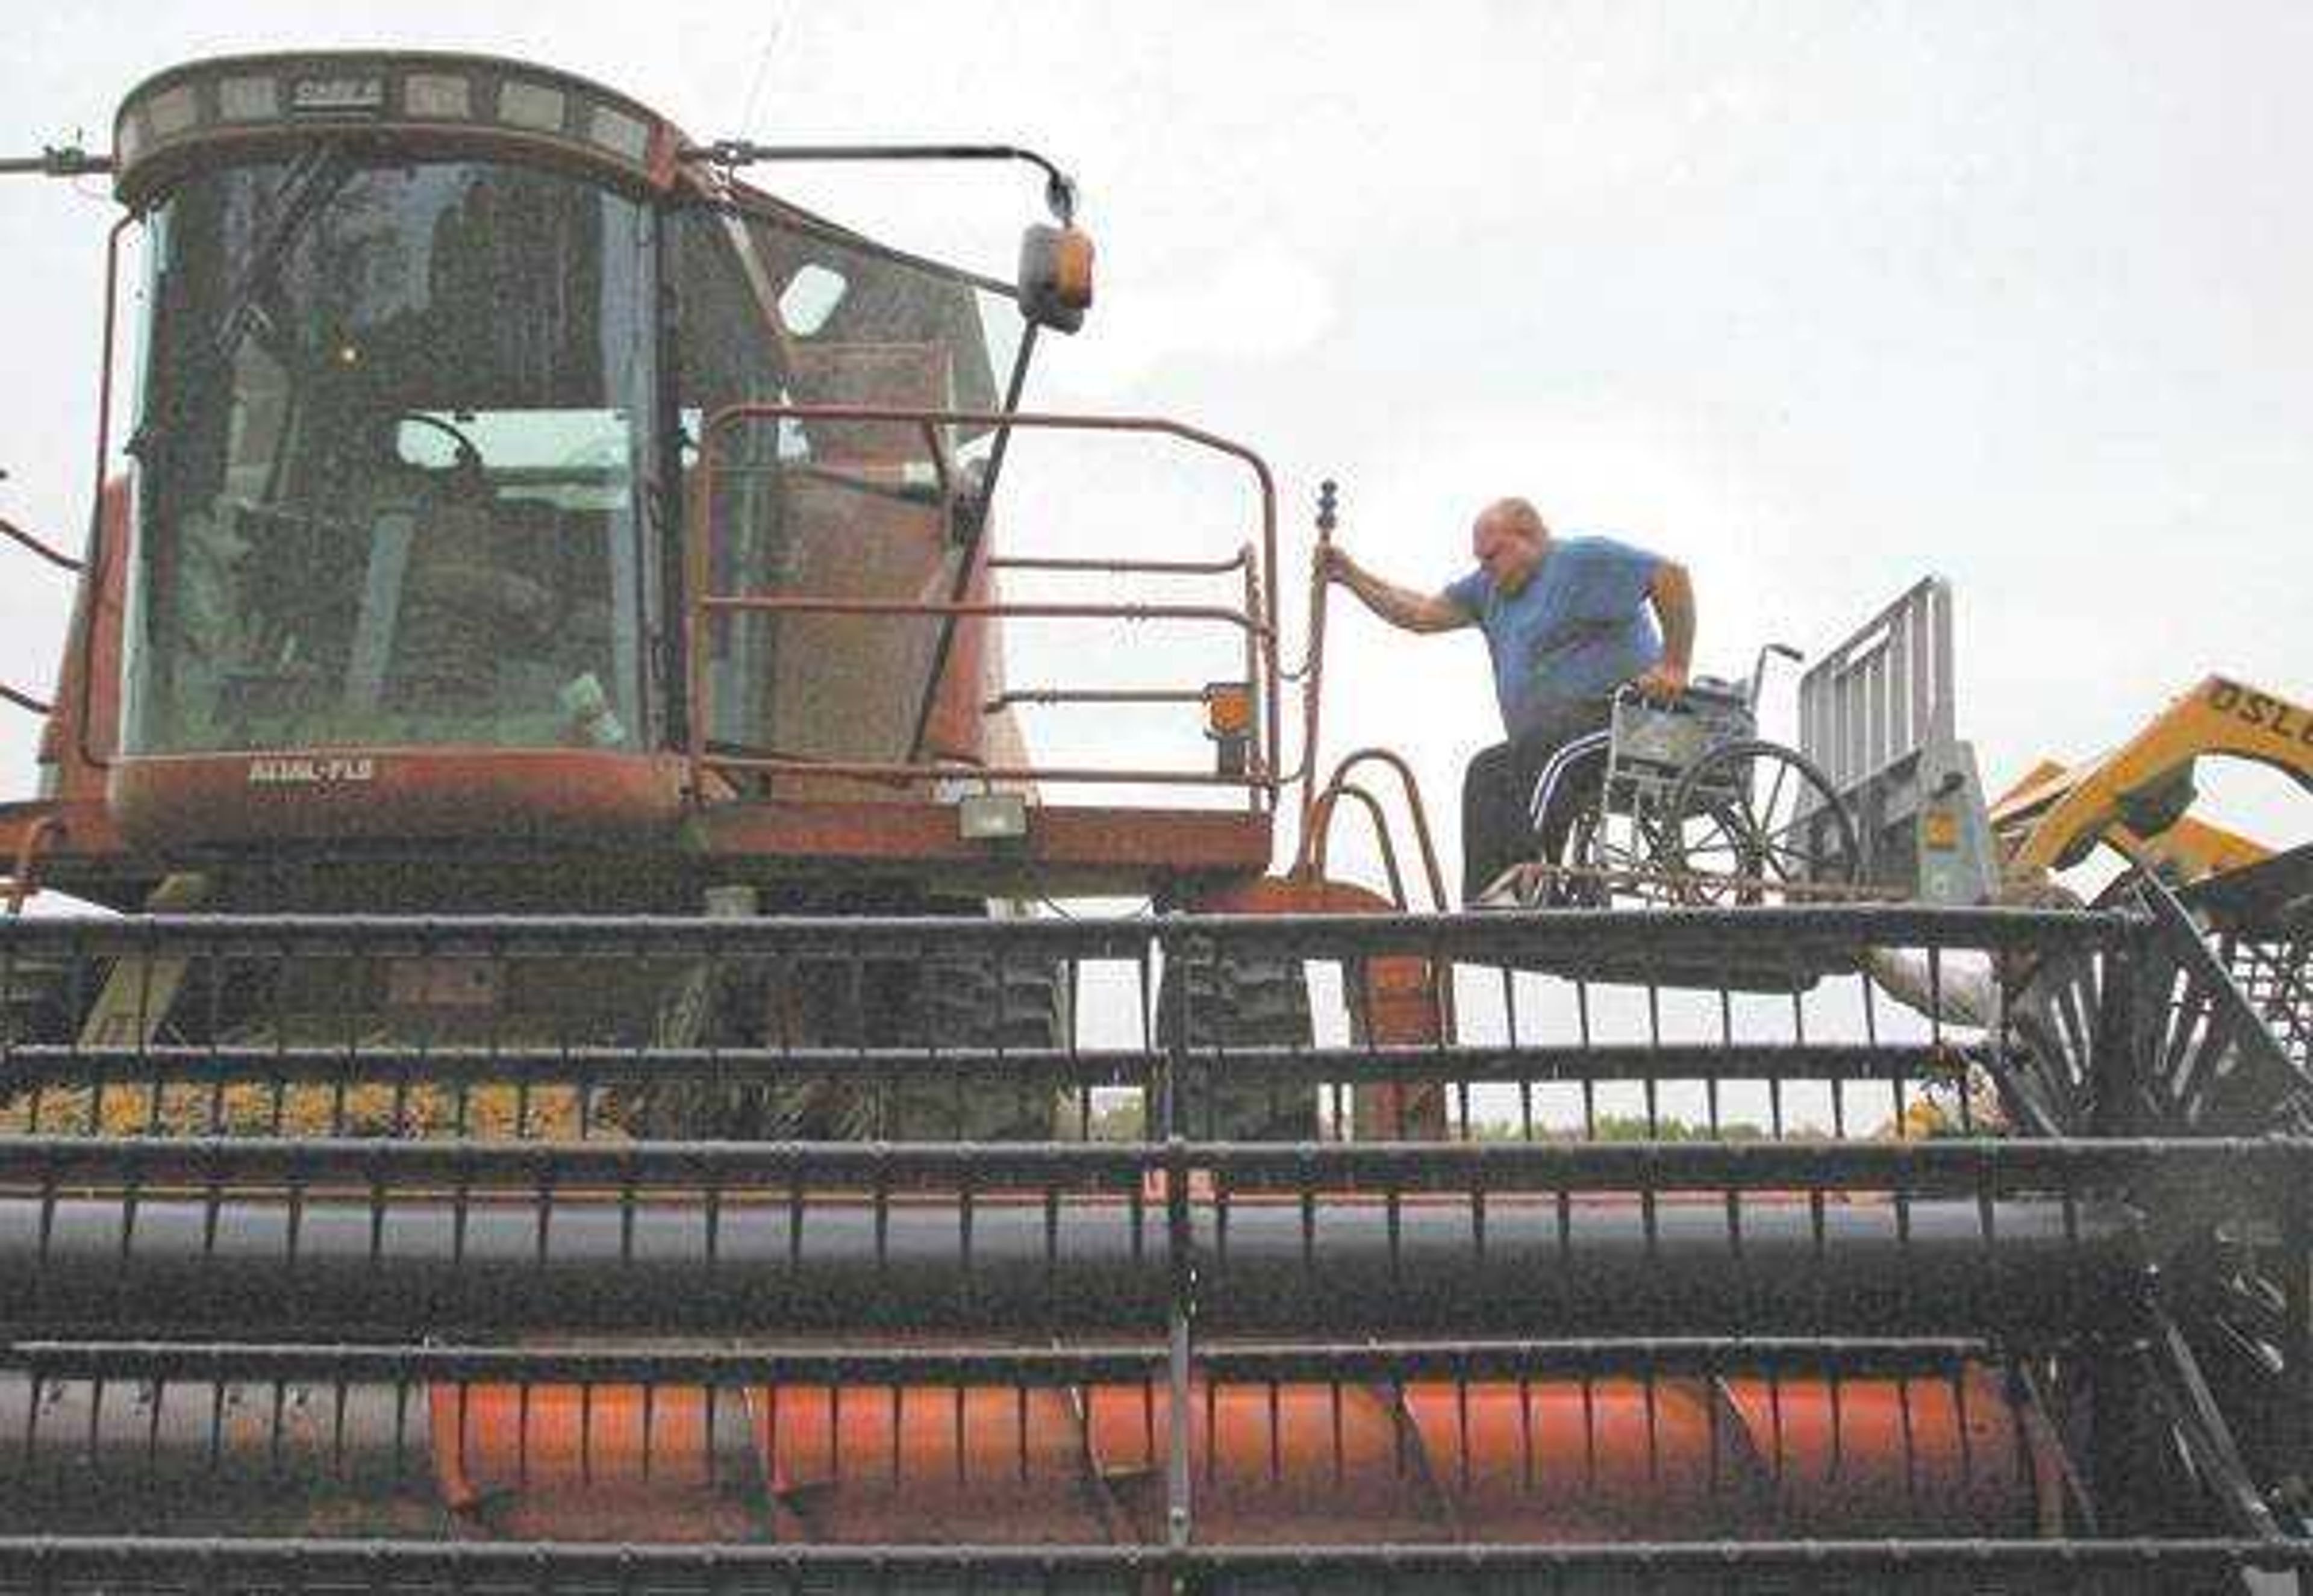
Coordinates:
<point>1578,629</point>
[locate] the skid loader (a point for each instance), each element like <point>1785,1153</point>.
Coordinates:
<point>567,1092</point>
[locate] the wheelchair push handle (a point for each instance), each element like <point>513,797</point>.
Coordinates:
<point>1629,693</point>
<point>1759,666</point>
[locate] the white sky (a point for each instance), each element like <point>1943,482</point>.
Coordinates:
<point>1816,298</point>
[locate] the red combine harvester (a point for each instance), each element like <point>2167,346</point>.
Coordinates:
<point>576,1096</point>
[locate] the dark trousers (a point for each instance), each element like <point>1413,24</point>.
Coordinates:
<point>1498,828</point>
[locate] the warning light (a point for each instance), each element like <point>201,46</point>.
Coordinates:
<point>1228,722</point>
<point>1228,709</point>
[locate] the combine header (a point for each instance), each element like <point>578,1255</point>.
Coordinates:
<point>575,1099</point>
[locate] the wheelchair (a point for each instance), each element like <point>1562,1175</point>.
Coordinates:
<point>1684,803</point>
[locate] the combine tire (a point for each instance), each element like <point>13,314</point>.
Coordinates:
<point>963,1006</point>
<point>35,1004</point>
<point>979,1006</point>
<point>1235,1001</point>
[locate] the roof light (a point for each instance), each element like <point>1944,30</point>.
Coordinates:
<point>248,100</point>
<point>171,111</point>
<point>437,96</point>
<point>617,132</point>
<point>530,105</point>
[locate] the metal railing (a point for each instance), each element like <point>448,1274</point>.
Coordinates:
<point>1885,693</point>
<point>1876,715</point>
<point>24,540</point>
<point>17,535</point>
<point>1256,621</point>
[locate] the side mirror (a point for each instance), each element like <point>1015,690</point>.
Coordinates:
<point>1055,277</point>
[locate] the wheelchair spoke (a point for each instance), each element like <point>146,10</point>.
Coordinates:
<point>1773,794</point>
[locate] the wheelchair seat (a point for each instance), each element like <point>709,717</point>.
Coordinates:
<point>1651,745</point>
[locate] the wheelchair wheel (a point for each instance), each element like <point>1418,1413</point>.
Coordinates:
<point>1750,820</point>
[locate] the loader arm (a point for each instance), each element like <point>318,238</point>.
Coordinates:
<point>2052,819</point>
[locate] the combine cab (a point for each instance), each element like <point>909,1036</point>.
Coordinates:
<point>523,511</point>
<point>579,1114</point>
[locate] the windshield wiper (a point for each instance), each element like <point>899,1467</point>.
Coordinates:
<point>312,181</point>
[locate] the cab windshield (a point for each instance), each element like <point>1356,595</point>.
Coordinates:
<point>395,418</point>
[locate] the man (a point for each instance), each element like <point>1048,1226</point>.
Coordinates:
<point>1970,986</point>
<point>1567,620</point>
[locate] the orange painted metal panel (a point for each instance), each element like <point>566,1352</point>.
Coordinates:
<point>171,801</point>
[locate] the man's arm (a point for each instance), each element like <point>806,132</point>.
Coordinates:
<point>1673,596</point>
<point>1401,607</point>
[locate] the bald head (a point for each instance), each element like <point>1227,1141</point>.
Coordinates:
<point>1507,540</point>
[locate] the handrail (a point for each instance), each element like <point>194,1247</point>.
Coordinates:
<point>98,554</point>
<point>812,604</point>
<point>25,701</point>
<point>1049,695</point>
<point>1256,780</point>
<point>895,770</point>
<point>1312,674</point>
<point>1318,803</point>
<point>16,889</point>
<point>1259,623</point>
<point>1050,562</point>
<point>55,556</point>
<point>1312,858</point>
<point>24,879</point>
<point>1388,844</point>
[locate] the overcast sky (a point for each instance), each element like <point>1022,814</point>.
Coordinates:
<point>1818,298</point>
